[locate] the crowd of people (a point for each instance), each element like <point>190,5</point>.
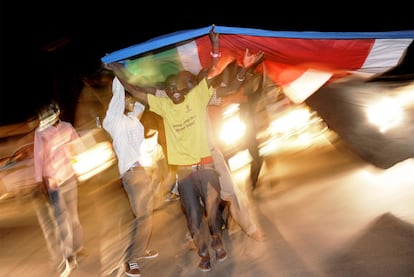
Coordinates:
<point>162,137</point>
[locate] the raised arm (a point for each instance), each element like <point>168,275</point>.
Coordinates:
<point>215,47</point>
<point>249,61</point>
<point>215,55</point>
<point>137,91</point>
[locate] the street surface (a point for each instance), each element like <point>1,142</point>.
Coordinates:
<point>325,213</point>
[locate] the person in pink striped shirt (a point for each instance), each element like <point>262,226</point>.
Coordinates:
<point>54,172</point>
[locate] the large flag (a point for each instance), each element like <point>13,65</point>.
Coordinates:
<point>305,67</point>
<point>299,62</point>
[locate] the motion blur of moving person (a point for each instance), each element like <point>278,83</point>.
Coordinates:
<point>54,173</point>
<point>41,202</point>
<point>252,88</point>
<point>185,118</point>
<point>247,97</point>
<point>127,133</point>
<point>247,94</point>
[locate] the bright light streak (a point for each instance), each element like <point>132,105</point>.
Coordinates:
<point>385,114</point>
<point>231,110</point>
<point>233,130</point>
<point>93,161</point>
<point>239,160</point>
<point>389,112</point>
<point>406,96</point>
<point>294,120</point>
<point>297,128</point>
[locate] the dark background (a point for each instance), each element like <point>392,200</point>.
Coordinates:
<point>46,47</point>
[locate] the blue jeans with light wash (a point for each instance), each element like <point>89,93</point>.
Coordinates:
<point>64,201</point>
<point>140,190</point>
<point>200,197</point>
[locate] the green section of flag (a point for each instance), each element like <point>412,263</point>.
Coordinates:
<point>154,68</point>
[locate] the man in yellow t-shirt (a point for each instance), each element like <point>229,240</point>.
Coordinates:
<point>184,113</point>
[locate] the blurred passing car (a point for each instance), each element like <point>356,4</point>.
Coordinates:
<point>373,117</point>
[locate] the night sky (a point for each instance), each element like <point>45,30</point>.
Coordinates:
<point>72,36</point>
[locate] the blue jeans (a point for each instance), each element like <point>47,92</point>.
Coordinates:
<point>200,197</point>
<point>65,206</point>
<point>140,190</point>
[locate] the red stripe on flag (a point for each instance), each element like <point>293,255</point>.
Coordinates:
<point>285,58</point>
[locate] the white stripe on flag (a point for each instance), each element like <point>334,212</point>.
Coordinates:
<point>188,54</point>
<point>304,86</point>
<point>385,54</point>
